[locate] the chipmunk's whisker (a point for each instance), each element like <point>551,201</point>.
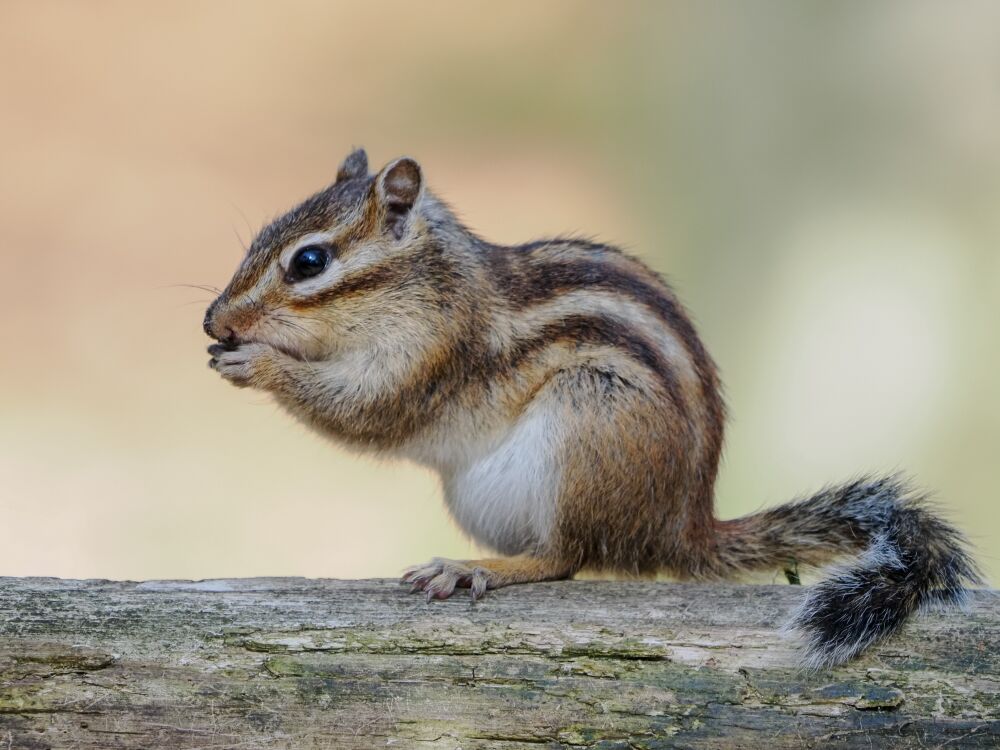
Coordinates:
<point>202,287</point>
<point>193,302</point>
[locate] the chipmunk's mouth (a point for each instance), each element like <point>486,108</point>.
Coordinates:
<point>232,343</point>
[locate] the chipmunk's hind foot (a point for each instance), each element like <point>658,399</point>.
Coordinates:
<point>439,578</point>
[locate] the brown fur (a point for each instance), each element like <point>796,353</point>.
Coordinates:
<point>637,495</point>
<point>420,339</point>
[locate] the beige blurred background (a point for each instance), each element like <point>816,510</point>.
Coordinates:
<point>820,181</point>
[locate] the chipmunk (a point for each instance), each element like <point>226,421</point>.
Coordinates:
<point>562,394</point>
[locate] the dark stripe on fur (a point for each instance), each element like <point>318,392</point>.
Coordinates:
<point>599,330</point>
<point>422,266</point>
<point>548,280</point>
<point>368,280</point>
<point>526,277</point>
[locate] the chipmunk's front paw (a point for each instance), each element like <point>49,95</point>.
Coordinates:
<point>439,578</point>
<point>243,365</point>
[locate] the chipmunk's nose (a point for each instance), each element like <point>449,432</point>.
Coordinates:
<point>212,327</point>
<point>207,323</point>
<point>217,325</point>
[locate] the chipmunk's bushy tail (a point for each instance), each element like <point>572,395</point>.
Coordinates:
<point>908,558</point>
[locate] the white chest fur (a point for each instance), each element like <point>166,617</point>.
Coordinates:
<point>503,492</point>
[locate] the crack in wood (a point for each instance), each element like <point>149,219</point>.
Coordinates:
<point>293,663</point>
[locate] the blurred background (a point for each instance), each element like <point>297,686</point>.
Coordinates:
<point>821,183</point>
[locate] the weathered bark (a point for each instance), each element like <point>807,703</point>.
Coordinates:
<point>292,663</point>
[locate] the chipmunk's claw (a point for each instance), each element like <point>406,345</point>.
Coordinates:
<point>439,578</point>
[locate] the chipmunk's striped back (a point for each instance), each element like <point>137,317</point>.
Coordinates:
<point>561,392</point>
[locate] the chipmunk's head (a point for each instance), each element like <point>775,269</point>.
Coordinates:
<point>329,271</point>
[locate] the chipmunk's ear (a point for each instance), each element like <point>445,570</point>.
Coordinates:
<point>355,165</point>
<point>398,188</point>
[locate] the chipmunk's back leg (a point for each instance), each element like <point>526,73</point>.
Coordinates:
<point>506,499</point>
<point>583,479</point>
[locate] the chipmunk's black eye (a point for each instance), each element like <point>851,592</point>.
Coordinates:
<point>310,261</point>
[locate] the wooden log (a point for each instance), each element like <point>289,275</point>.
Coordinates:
<point>295,663</point>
